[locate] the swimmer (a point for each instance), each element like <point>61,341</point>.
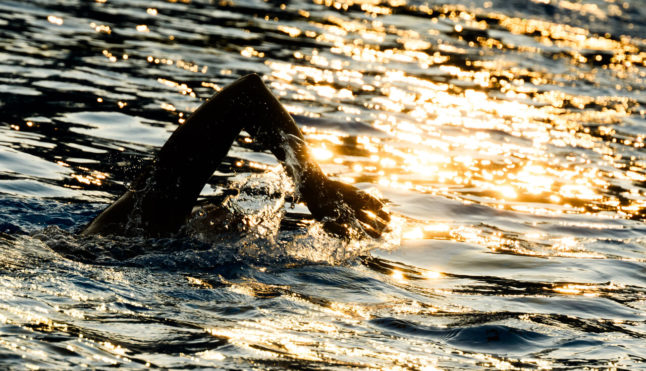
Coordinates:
<point>162,198</point>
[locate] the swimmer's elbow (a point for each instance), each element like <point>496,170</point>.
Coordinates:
<point>112,220</point>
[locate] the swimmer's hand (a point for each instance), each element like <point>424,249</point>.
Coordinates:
<point>344,209</point>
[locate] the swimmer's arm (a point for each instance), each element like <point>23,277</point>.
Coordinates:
<point>344,209</point>
<point>161,199</point>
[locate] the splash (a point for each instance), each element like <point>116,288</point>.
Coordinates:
<point>245,228</point>
<point>258,210</point>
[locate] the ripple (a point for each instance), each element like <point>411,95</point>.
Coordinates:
<point>507,138</point>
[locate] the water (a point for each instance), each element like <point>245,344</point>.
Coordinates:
<point>507,137</point>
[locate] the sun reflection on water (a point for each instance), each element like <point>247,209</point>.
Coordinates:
<point>467,136</point>
<point>453,119</point>
<point>528,119</point>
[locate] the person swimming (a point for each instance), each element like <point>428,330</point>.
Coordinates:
<point>162,198</point>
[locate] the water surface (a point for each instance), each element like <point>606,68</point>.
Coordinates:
<point>507,137</point>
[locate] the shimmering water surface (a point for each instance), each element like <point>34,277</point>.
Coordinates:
<point>507,137</point>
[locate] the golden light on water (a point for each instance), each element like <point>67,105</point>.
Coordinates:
<point>55,20</point>
<point>211,355</point>
<point>453,120</point>
<point>398,276</point>
<point>413,234</point>
<point>469,144</point>
<point>509,151</point>
<point>477,130</point>
<point>432,274</point>
<point>321,153</point>
<point>575,289</point>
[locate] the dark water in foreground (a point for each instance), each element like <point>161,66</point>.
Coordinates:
<point>508,137</point>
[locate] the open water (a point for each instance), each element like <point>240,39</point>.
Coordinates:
<point>506,136</point>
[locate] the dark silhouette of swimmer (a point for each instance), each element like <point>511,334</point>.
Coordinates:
<point>161,199</point>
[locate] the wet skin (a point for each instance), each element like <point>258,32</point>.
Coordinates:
<point>163,196</point>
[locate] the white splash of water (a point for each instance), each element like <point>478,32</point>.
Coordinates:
<point>256,236</point>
